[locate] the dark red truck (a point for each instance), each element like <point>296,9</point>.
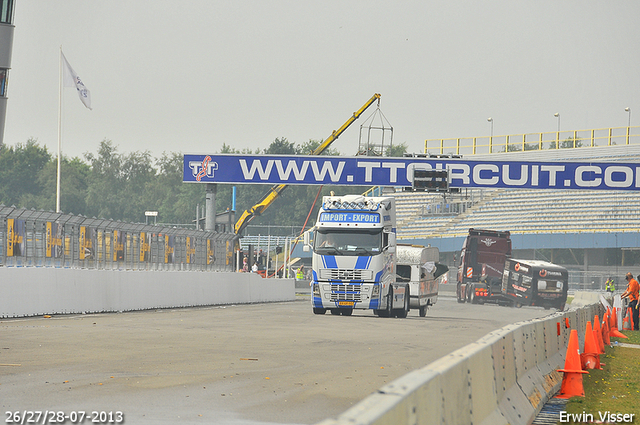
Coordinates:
<point>482,262</point>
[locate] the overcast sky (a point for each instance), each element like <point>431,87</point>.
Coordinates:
<point>188,76</point>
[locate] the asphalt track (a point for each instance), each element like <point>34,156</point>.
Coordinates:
<point>244,364</point>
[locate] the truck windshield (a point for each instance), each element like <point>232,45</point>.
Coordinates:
<point>365,242</point>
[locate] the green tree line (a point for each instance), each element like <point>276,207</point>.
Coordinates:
<point>569,143</point>
<point>122,186</point>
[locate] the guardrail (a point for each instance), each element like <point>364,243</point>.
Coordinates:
<point>503,378</point>
<point>534,141</point>
<point>30,238</point>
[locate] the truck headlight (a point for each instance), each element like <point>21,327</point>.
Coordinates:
<point>316,289</point>
<point>376,291</point>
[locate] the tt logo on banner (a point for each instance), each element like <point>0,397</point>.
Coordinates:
<point>202,169</point>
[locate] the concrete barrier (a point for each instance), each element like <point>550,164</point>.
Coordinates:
<point>582,298</point>
<point>504,378</point>
<point>36,291</point>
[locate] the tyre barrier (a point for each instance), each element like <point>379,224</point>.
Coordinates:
<point>506,377</point>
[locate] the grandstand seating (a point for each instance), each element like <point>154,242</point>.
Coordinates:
<point>523,211</point>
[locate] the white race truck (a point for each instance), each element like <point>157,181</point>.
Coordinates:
<point>354,257</point>
<point>418,266</point>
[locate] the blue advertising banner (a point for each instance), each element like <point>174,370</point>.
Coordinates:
<point>381,171</point>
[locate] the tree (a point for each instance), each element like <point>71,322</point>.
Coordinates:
<point>20,168</point>
<point>118,182</point>
<point>512,148</point>
<point>531,146</point>
<point>228,149</point>
<point>568,143</point>
<point>174,200</point>
<point>105,182</point>
<point>307,148</point>
<point>281,146</point>
<point>397,150</point>
<point>74,177</point>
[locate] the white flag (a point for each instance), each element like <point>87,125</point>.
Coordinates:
<point>71,79</point>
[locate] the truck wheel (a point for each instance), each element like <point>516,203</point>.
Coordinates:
<point>423,310</point>
<point>318,310</point>
<point>472,297</point>
<point>335,311</point>
<point>459,293</point>
<point>347,311</point>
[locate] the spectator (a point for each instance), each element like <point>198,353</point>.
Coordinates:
<point>632,293</point>
<point>609,285</point>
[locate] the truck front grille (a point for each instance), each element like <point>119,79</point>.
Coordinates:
<point>345,292</point>
<point>345,274</point>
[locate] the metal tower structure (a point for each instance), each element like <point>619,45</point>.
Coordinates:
<point>6,44</point>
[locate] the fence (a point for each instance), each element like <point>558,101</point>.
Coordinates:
<point>274,230</point>
<point>30,238</point>
<point>534,141</point>
<point>594,280</point>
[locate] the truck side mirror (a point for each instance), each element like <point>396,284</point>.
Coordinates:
<point>391,247</point>
<point>306,240</point>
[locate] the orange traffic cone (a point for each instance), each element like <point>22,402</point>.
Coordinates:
<point>572,379</point>
<point>613,320</point>
<point>598,334</point>
<point>615,333</point>
<point>605,331</point>
<point>626,322</point>
<point>613,325</point>
<point>590,357</point>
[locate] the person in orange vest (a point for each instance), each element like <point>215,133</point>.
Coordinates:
<point>632,293</point>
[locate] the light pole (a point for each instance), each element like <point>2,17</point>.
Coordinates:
<point>627,109</point>
<point>557,115</point>
<point>628,123</point>
<point>491,135</point>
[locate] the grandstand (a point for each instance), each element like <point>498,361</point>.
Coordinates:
<point>589,220</point>
<point>522,211</point>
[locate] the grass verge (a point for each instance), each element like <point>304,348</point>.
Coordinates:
<point>616,388</point>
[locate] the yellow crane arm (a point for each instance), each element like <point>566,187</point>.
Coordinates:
<point>275,191</point>
<point>334,135</point>
<point>258,208</point>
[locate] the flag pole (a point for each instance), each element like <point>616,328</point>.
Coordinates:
<point>59,135</point>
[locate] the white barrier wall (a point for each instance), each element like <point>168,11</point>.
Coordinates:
<point>34,291</point>
<point>504,378</point>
